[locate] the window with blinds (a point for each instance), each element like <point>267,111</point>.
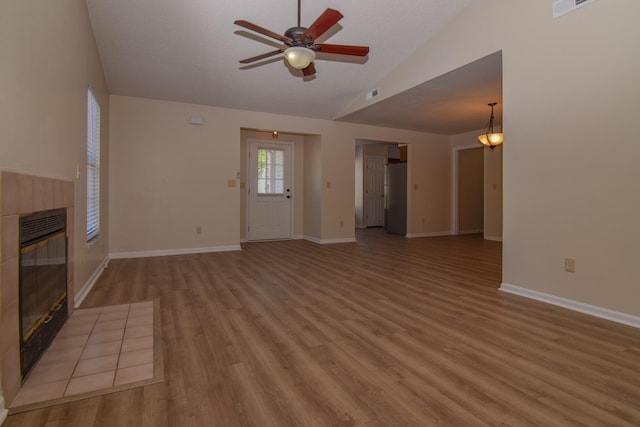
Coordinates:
<point>93,167</point>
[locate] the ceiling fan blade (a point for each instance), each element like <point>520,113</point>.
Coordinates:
<point>310,70</point>
<point>259,57</point>
<point>258,29</point>
<point>342,49</point>
<point>328,19</point>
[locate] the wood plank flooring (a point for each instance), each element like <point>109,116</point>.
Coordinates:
<point>389,331</point>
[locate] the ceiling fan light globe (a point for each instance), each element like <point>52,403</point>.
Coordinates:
<point>299,57</point>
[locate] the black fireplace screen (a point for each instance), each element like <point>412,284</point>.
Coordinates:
<point>43,282</point>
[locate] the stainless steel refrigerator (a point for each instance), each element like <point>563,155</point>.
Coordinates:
<point>396,200</point>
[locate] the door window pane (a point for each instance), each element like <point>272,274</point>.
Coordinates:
<point>270,171</point>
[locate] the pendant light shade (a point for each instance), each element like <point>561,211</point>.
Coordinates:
<point>299,57</point>
<point>491,138</point>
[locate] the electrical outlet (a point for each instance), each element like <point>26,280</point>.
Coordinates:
<point>570,265</point>
<point>341,223</point>
<point>198,230</point>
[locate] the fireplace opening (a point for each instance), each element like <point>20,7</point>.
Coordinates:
<point>42,283</point>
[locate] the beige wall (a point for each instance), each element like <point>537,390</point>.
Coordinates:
<point>574,193</point>
<point>173,175</point>
<point>470,190</point>
<point>48,58</point>
<point>168,177</point>
<point>338,191</point>
<point>312,188</point>
<point>493,193</point>
<point>359,187</point>
<point>429,194</point>
<point>571,99</point>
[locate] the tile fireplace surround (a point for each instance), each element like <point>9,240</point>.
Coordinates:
<point>22,194</point>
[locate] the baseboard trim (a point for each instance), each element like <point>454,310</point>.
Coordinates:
<point>338,240</point>
<point>604,313</point>
<point>431,234</point>
<point>330,241</point>
<point>3,411</point>
<point>494,238</point>
<point>476,231</point>
<point>84,291</point>
<point>169,252</point>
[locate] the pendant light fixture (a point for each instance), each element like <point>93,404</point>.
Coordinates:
<point>491,138</point>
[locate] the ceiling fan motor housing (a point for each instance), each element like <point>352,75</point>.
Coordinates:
<point>295,34</point>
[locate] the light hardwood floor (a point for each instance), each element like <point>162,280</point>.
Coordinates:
<point>388,331</point>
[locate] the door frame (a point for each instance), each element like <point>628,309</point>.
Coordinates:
<point>291,146</point>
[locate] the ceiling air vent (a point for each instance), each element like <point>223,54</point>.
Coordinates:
<point>373,93</point>
<point>560,7</point>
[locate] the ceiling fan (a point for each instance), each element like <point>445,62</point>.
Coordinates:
<point>299,42</point>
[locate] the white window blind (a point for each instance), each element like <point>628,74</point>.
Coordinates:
<point>93,167</point>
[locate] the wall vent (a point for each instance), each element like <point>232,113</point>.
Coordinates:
<point>373,93</point>
<point>196,120</point>
<point>35,226</point>
<point>560,7</point>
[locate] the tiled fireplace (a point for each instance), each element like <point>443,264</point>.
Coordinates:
<point>23,194</point>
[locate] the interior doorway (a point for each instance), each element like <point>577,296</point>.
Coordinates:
<point>471,191</point>
<point>490,191</point>
<point>372,189</point>
<point>468,190</point>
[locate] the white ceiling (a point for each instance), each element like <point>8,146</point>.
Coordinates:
<point>450,104</point>
<point>188,51</point>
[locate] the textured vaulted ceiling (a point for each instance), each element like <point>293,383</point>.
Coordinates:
<point>453,103</point>
<point>188,51</point>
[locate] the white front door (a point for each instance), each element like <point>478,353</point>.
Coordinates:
<point>270,191</point>
<point>374,191</point>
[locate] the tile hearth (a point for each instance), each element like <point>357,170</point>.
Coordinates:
<point>97,349</point>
